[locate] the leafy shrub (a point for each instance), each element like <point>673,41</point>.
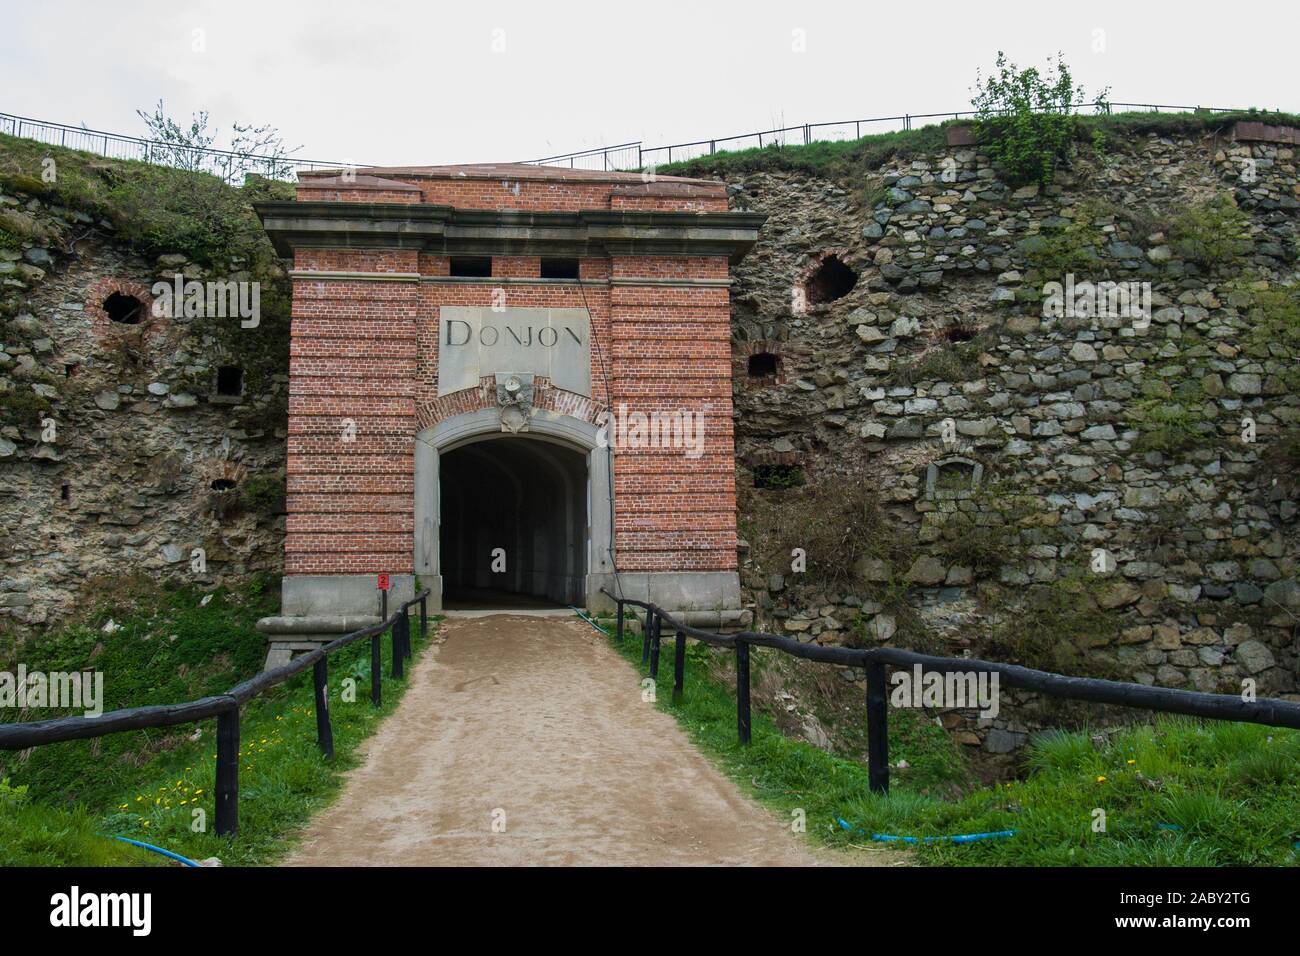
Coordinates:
<point>1069,248</point>
<point>1211,233</point>
<point>1025,118</point>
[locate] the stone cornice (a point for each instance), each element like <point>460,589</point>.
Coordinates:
<point>443,230</point>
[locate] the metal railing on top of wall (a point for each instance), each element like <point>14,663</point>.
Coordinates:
<point>225,163</point>
<point>636,156</point>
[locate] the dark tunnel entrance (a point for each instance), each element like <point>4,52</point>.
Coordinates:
<point>513,524</point>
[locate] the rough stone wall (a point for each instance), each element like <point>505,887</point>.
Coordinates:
<point>1199,571</point>
<point>124,481</point>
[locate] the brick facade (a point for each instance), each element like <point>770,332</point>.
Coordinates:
<point>365,341</point>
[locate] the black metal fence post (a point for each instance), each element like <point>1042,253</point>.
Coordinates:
<point>742,691</point>
<point>424,616</point>
<point>645,636</point>
<point>399,646</point>
<point>226,791</point>
<point>324,732</point>
<point>654,647</point>
<point>679,666</point>
<point>620,624</point>
<point>376,671</point>
<point>877,729</point>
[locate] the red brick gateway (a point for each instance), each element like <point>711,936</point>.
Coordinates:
<point>512,382</point>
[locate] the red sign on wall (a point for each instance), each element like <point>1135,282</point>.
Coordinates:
<point>382,582</point>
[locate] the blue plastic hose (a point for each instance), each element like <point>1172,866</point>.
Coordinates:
<point>582,614</point>
<point>157,849</point>
<point>957,838</point>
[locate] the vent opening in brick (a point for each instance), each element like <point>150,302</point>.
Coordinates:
<point>471,267</point>
<point>124,309</point>
<point>559,268</point>
<point>764,365</point>
<point>832,280</point>
<point>230,381</point>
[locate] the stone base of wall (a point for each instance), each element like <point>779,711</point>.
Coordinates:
<point>318,608</point>
<point>703,598</point>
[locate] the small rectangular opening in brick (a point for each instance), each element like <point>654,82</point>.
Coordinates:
<point>471,267</point>
<point>565,268</point>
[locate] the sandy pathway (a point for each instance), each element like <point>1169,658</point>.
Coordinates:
<point>536,722</point>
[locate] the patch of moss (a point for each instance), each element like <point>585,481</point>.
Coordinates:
<point>22,406</point>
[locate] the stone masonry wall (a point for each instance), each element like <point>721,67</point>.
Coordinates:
<point>122,481</point>
<point>1198,574</point>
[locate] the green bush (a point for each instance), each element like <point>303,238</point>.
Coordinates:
<point>1025,118</point>
<point>264,494</point>
<point>1212,233</point>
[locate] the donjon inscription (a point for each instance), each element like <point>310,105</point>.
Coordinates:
<point>474,342</point>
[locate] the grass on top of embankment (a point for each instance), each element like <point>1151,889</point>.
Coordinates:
<point>840,158</point>
<point>1178,792</point>
<point>148,785</point>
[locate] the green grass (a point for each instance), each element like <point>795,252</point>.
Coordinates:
<point>32,834</point>
<point>156,210</point>
<point>147,784</point>
<point>836,159</point>
<point>1230,789</point>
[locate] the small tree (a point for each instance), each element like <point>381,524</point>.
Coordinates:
<point>257,149</point>
<point>1025,118</point>
<point>173,144</point>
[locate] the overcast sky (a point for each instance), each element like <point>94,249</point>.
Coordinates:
<point>421,83</point>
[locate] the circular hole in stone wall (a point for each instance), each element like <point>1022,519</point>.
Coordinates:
<point>832,280</point>
<point>124,309</point>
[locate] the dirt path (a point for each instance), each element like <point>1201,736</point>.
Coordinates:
<point>538,721</point>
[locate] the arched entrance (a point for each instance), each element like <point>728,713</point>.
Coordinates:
<point>542,495</point>
<point>513,529</point>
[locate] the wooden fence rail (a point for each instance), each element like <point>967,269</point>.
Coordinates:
<point>225,708</point>
<point>876,661</point>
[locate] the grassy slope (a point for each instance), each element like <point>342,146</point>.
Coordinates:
<point>1230,789</point>
<point>146,784</point>
<point>156,210</point>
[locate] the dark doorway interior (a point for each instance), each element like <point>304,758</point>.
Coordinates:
<point>527,497</point>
